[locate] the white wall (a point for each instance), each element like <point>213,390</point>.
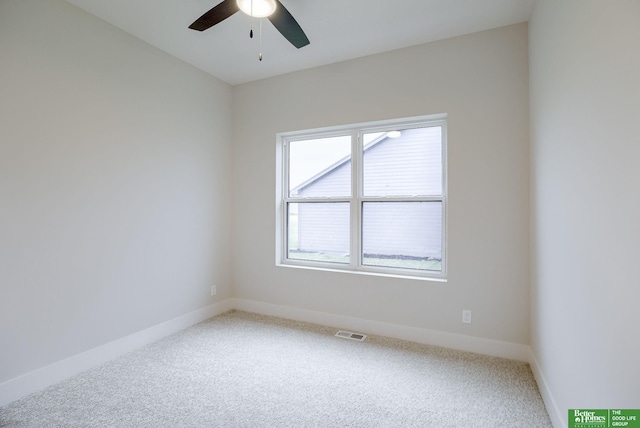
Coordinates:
<point>481,82</point>
<point>585,149</point>
<point>114,185</point>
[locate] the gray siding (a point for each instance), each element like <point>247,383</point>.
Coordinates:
<point>336,182</point>
<point>404,229</point>
<point>324,228</point>
<point>405,166</point>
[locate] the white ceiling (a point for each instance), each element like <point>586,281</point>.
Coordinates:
<point>338,30</point>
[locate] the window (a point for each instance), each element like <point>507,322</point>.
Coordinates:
<point>366,198</point>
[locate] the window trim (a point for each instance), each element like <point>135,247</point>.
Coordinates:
<point>356,131</point>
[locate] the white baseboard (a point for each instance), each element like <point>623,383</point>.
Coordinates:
<point>558,419</point>
<point>36,380</point>
<point>460,342</point>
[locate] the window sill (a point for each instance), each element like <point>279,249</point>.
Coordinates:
<point>366,273</point>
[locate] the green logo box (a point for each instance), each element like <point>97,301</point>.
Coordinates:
<point>604,418</point>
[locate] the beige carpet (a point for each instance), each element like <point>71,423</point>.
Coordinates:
<point>246,370</point>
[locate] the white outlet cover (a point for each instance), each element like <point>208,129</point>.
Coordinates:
<point>466,316</point>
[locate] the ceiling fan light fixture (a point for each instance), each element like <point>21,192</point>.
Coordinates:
<point>259,9</point>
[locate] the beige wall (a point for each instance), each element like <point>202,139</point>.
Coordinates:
<point>481,82</point>
<point>585,152</point>
<point>114,185</point>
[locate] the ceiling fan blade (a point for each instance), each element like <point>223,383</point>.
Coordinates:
<point>215,15</point>
<point>288,26</point>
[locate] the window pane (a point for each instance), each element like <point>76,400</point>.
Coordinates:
<point>320,167</point>
<point>319,231</point>
<point>403,163</point>
<point>402,235</point>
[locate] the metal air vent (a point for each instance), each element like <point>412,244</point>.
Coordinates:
<point>350,335</point>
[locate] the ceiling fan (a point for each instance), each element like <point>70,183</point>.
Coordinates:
<point>273,10</point>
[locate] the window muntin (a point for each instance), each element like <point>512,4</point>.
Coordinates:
<point>368,197</point>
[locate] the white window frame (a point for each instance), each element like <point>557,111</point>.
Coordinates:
<point>356,199</point>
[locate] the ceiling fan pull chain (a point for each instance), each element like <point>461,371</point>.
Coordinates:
<point>251,18</point>
<point>260,55</point>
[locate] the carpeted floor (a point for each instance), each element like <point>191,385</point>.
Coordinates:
<point>246,370</point>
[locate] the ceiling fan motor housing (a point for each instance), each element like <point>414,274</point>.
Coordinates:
<point>257,8</point>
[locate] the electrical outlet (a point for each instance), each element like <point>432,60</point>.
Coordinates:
<point>213,290</point>
<point>466,316</point>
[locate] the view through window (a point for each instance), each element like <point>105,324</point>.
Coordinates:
<point>368,197</point>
